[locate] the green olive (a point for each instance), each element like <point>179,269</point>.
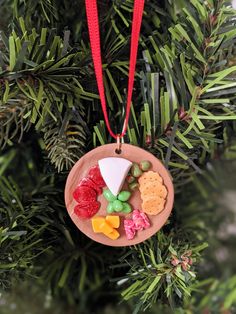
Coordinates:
<point>109,196</point>
<point>118,206</point>
<point>145,165</point>
<point>126,208</point>
<point>136,171</point>
<point>133,186</point>
<point>130,179</point>
<point>110,208</point>
<point>123,196</point>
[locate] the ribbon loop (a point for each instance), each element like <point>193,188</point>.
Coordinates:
<point>94,35</point>
<point>118,150</point>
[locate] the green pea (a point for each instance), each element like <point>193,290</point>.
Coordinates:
<point>133,186</point>
<point>110,208</point>
<point>118,206</point>
<point>123,196</point>
<point>136,171</point>
<point>145,165</point>
<point>109,196</point>
<point>126,208</point>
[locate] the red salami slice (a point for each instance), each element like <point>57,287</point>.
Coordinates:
<point>95,175</point>
<point>86,209</point>
<point>89,182</point>
<point>84,194</point>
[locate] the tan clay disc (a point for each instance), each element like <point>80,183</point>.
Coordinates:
<point>134,154</point>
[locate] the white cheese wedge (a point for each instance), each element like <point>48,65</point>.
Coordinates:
<point>114,171</point>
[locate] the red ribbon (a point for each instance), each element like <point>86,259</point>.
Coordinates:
<point>94,35</point>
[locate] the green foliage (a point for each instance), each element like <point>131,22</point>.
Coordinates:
<point>19,234</point>
<point>52,14</point>
<point>203,213</point>
<point>33,9</point>
<point>38,240</point>
<point>40,87</point>
<point>167,271</point>
<point>29,296</point>
<point>226,296</point>
<point>187,93</point>
<point>181,75</point>
<point>64,141</point>
<point>183,111</point>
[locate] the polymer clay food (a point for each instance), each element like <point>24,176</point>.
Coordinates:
<point>153,192</point>
<point>107,183</point>
<point>145,165</point>
<point>95,175</point>
<point>117,203</point>
<point>86,210</point>
<point>106,225</point>
<point>86,194</point>
<point>114,171</point>
<point>129,229</point>
<point>136,172</point>
<point>138,221</point>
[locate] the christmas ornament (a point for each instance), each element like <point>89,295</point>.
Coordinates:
<point>158,176</point>
<point>122,180</point>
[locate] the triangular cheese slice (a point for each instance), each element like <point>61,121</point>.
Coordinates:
<point>114,171</point>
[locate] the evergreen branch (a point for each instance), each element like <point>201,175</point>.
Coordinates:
<point>18,233</point>
<point>180,84</point>
<point>12,119</point>
<point>65,142</point>
<point>167,271</point>
<point>40,81</point>
<point>37,239</point>
<point>183,111</point>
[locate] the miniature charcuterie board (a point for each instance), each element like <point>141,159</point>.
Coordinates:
<point>144,200</point>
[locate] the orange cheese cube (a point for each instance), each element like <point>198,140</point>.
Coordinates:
<point>106,228</point>
<point>96,223</point>
<point>114,221</point>
<point>113,235</point>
